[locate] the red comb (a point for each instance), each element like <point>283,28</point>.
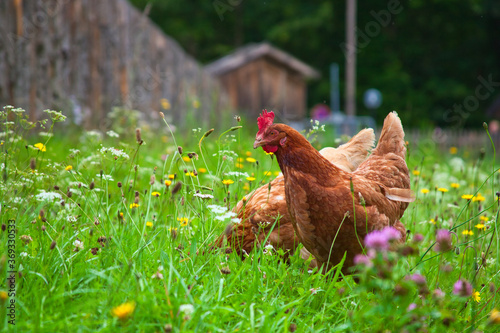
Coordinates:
<point>265,120</point>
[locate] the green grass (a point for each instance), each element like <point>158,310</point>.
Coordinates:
<point>166,271</point>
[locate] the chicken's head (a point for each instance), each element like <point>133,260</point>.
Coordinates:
<point>269,137</point>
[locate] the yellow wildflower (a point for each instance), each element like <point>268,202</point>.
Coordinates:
<point>155,194</point>
<point>484,218</point>
<point>186,158</point>
<point>165,103</point>
<point>171,176</point>
<point>246,187</point>
<point>467,196</point>
<point>276,173</point>
<point>240,159</point>
<point>202,170</point>
<point>476,296</point>
<point>248,153</point>
<point>134,205</point>
<point>432,221</point>
<point>40,146</point>
<point>270,153</point>
<point>478,197</point>
<point>251,159</point>
<point>455,185</point>
<point>416,172</point>
<point>467,232</point>
<point>453,150</point>
<point>68,168</point>
<point>267,173</point>
<point>239,165</point>
<point>495,316</point>
<point>250,179</point>
<point>479,226</point>
<point>149,224</point>
<point>3,295</point>
<point>424,191</point>
<point>183,221</point>
<point>190,174</point>
<point>121,214</point>
<point>227,181</point>
<point>442,189</point>
<point>168,182</point>
<point>123,311</point>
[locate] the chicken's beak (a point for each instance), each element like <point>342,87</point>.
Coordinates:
<point>258,142</point>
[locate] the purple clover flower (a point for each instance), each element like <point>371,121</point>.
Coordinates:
<point>462,288</point>
<point>411,307</point>
<point>361,259</point>
<point>380,239</point>
<point>418,279</point>
<point>417,238</point>
<point>443,240</point>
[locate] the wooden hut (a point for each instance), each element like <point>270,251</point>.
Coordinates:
<point>260,76</point>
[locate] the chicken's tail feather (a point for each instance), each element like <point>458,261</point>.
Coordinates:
<point>392,137</point>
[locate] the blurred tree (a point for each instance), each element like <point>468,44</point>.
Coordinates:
<point>425,57</point>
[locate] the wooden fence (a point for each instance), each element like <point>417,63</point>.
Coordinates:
<point>87,56</point>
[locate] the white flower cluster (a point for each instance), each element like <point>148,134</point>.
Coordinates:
<point>108,178</point>
<point>112,134</point>
<point>237,174</point>
<point>114,151</point>
<point>47,196</point>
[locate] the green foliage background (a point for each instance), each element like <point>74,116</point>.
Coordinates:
<point>426,60</point>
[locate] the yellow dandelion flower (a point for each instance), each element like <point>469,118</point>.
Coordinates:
<point>134,205</point>
<point>270,153</point>
<point>40,146</point>
<point>227,181</point>
<point>121,214</point>
<point>476,296</point>
<point>479,226</point>
<point>455,185</point>
<point>276,173</point>
<point>68,168</point>
<point>183,221</point>
<point>240,159</point>
<point>239,165</point>
<point>149,224</point>
<point>165,104</point>
<point>155,194</point>
<point>467,232</point>
<point>424,191</point>
<point>123,311</point>
<point>484,218</point>
<point>416,172</point>
<point>246,187</point>
<point>453,150</point>
<point>478,197</point>
<point>172,229</point>
<point>190,174</point>
<point>202,170</point>
<point>251,160</point>
<point>267,173</point>
<point>250,179</point>
<point>442,189</point>
<point>495,316</point>
<point>432,221</point>
<point>171,176</point>
<point>168,182</point>
<point>467,196</point>
<point>3,295</point>
<point>186,158</point>
<point>248,153</point>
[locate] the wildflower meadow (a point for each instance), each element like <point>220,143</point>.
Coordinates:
<point>111,232</point>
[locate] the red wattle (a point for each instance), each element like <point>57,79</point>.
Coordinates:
<point>270,149</point>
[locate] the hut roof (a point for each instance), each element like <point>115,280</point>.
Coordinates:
<point>253,51</point>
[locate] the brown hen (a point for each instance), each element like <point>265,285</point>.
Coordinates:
<point>331,209</point>
<point>264,214</point>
